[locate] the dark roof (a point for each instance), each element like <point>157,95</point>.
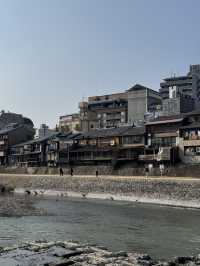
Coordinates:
<point>137,87</point>
<point>141,87</point>
<point>67,136</point>
<point>112,132</point>
<point>37,140</point>
<point>195,112</point>
<point>93,103</point>
<point>134,131</point>
<point>166,119</point>
<point>177,78</point>
<point>192,125</point>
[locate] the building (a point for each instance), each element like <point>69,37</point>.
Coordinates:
<point>183,85</point>
<point>44,131</point>
<point>31,153</point>
<point>69,123</point>
<point>115,110</point>
<point>189,139</point>
<point>142,102</point>
<point>103,111</point>
<point>58,148</point>
<point>11,135</point>
<point>178,105</point>
<point>162,139</point>
<point>109,146</point>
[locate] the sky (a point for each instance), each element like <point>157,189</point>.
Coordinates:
<point>55,53</point>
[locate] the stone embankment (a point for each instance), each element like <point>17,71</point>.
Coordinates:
<point>127,169</point>
<point>73,253</point>
<point>179,191</point>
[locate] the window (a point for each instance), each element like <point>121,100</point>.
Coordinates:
<point>164,142</point>
<point>132,139</point>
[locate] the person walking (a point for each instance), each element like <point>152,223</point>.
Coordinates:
<point>61,172</point>
<point>146,171</point>
<point>97,173</point>
<point>71,171</point>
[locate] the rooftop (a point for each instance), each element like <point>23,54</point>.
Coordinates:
<point>178,78</point>
<point>112,132</point>
<point>166,119</point>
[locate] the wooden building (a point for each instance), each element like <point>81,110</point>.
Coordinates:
<point>11,135</point>
<point>109,145</point>
<point>189,139</point>
<point>31,153</point>
<point>162,137</point>
<point>58,148</point>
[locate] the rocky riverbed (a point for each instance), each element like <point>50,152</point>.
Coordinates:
<point>73,253</point>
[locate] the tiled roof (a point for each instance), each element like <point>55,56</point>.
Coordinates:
<point>37,140</point>
<point>112,132</point>
<point>192,125</point>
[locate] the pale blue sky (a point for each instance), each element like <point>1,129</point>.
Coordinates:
<point>54,52</point>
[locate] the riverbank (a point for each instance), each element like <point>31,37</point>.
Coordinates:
<point>125,169</point>
<point>73,253</point>
<point>183,192</point>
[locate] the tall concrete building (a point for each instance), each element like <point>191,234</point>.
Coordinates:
<point>142,102</point>
<point>189,85</point>
<point>114,110</point>
<point>70,122</point>
<point>104,111</point>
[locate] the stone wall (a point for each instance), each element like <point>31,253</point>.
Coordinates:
<point>152,188</point>
<point>128,169</point>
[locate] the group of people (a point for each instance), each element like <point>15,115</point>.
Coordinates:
<point>72,172</point>
<point>62,172</point>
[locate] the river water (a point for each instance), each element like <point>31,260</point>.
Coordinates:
<point>162,232</point>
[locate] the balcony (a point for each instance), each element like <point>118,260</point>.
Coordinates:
<point>154,157</point>
<point>163,155</point>
<point>147,157</point>
<point>191,142</point>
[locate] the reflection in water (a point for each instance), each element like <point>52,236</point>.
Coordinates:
<point>163,232</point>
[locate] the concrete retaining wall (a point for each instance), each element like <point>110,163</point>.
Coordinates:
<point>168,189</point>
<point>124,170</point>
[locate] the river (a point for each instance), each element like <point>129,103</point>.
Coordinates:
<point>162,232</point>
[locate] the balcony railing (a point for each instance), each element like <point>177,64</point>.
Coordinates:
<point>154,157</point>
<point>191,142</point>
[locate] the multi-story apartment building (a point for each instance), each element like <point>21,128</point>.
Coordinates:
<point>114,110</point>
<point>188,85</point>
<point>103,111</point>
<point>44,131</point>
<point>11,135</point>
<point>69,123</point>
